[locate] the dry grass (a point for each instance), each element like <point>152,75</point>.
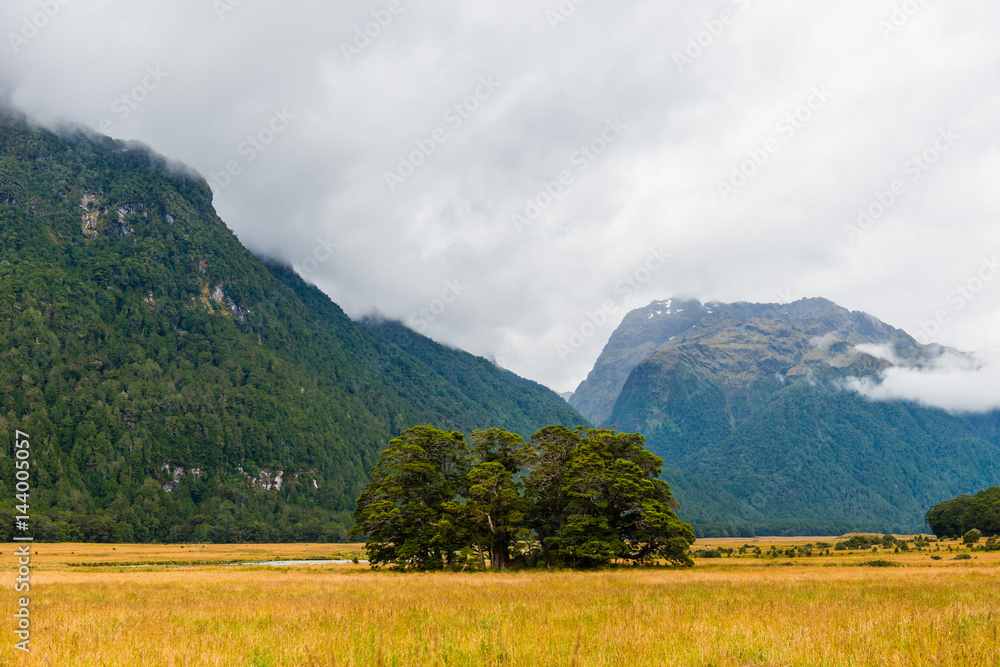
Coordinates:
<point>75,555</point>
<point>741,611</point>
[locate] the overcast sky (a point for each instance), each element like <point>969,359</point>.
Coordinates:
<point>600,156</point>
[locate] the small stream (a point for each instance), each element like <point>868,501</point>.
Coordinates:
<point>268,563</point>
<point>286,563</point>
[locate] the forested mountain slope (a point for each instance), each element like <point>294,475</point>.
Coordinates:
<point>176,387</point>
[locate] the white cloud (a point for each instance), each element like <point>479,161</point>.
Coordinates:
<point>953,382</point>
<point>884,352</point>
<point>321,180</point>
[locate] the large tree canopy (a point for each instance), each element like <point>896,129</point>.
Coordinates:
<point>406,510</point>
<point>599,497</point>
<point>574,498</point>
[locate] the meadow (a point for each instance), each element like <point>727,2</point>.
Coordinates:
<point>90,605</point>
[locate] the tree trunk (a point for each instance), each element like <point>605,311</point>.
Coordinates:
<point>498,557</point>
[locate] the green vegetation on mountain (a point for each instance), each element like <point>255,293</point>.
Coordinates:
<point>747,406</point>
<point>500,396</point>
<point>968,513</point>
<point>591,496</point>
<point>177,388</point>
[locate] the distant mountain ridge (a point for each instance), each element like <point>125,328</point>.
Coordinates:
<point>681,328</point>
<point>745,403</point>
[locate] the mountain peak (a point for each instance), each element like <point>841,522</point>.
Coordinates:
<point>796,338</point>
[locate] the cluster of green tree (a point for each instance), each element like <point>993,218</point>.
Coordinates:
<point>138,336</point>
<point>956,517</point>
<point>579,498</point>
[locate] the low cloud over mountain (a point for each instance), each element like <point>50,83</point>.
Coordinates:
<point>953,382</point>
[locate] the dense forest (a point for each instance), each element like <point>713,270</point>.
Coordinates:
<point>817,460</point>
<point>956,517</point>
<point>177,388</point>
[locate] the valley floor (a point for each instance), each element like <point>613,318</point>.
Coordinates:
<point>88,608</point>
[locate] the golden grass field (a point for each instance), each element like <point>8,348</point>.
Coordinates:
<point>824,610</point>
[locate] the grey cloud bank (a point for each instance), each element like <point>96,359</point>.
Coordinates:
<point>954,383</point>
<point>897,73</point>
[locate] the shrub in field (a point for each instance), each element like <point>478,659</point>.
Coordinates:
<point>864,543</point>
<point>972,537</point>
<point>888,541</point>
<point>879,563</point>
